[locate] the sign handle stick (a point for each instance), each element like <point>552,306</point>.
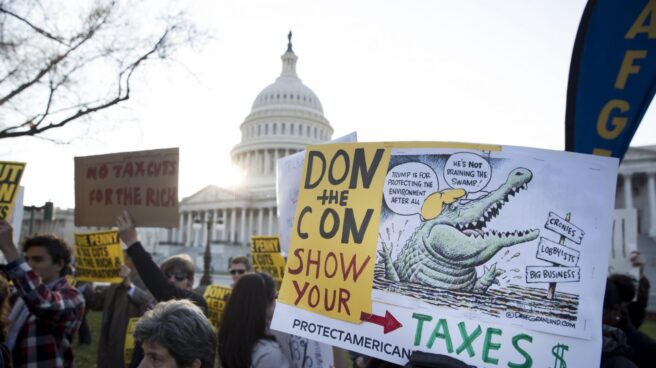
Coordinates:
<point>551,292</point>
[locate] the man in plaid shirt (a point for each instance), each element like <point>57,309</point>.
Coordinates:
<point>46,310</point>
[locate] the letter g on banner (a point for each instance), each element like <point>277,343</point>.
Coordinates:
<point>612,77</point>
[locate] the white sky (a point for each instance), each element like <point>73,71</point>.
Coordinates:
<point>472,71</point>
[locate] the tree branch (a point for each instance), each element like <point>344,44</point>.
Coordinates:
<point>123,94</point>
<point>38,30</point>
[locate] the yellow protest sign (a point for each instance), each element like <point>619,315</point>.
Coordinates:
<point>216,297</point>
<point>10,176</point>
<point>265,251</point>
<point>333,243</point>
<point>128,347</point>
<point>98,256</point>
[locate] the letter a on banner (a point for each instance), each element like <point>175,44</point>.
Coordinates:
<point>612,76</point>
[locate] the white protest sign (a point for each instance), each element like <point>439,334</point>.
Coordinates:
<point>625,242</point>
<point>565,228</point>
<point>288,177</point>
<point>556,253</point>
<point>467,270</point>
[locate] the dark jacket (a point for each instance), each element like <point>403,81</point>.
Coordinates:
<point>159,286</point>
<point>118,308</point>
<point>156,282</point>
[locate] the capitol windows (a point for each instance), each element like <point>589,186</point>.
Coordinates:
<point>259,130</point>
<point>266,129</point>
<point>283,129</point>
<point>315,132</point>
<point>291,128</point>
<point>307,130</point>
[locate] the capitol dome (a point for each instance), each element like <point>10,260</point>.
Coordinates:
<point>285,117</point>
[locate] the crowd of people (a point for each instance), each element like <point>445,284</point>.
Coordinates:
<point>40,313</point>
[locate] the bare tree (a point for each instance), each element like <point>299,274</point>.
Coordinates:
<point>61,62</point>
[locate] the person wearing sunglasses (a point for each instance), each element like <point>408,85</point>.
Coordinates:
<point>239,266</point>
<point>174,281</point>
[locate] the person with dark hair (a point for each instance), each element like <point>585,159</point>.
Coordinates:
<point>46,310</point>
<point>119,303</point>
<point>244,337</point>
<point>635,305</point>
<point>176,334</point>
<point>179,269</point>
<point>615,351</point>
<point>172,283</point>
<point>5,353</point>
<point>239,266</point>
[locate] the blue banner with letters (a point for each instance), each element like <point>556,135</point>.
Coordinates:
<point>612,76</point>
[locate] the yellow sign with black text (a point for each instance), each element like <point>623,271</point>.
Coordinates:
<point>333,243</point>
<point>10,176</point>
<point>265,252</point>
<point>216,297</point>
<point>98,257</point>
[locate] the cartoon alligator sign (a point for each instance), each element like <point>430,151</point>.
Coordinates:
<point>444,251</point>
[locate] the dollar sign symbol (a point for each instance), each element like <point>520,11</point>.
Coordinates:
<point>559,351</point>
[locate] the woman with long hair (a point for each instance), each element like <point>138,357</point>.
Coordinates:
<point>244,337</point>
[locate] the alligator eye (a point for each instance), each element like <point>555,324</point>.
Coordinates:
<point>452,207</point>
<point>518,174</point>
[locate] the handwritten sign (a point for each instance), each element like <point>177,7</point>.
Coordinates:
<point>10,176</point>
<point>330,265</point>
<point>145,183</point>
<point>265,252</point>
<point>565,228</point>
<point>98,257</point>
<point>556,253</point>
<point>552,274</point>
<point>216,296</point>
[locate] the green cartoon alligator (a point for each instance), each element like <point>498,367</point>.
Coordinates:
<point>444,251</point>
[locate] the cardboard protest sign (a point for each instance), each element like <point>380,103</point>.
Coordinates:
<point>10,176</point>
<point>303,352</point>
<point>265,252</point>
<point>128,347</point>
<point>216,296</point>
<point>469,239</point>
<point>145,183</point>
<point>98,257</point>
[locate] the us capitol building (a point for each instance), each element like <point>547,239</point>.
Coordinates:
<point>286,116</point>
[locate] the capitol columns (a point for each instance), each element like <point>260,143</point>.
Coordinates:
<point>651,196</point>
<point>628,191</point>
<point>242,230</point>
<point>233,223</point>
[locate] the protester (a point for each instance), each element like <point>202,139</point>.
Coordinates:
<point>615,351</point>
<point>175,281</point>
<point>84,332</point>
<point>239,266</point>
<point>5,353</point>
<point>635,307</point>
<point>176,334</point>
<point>46,310</point>
<point>119,303</point>
<point>244,337</point>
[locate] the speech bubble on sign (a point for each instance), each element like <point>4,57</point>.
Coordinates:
<point>467,171</point>
<point>407,186</point>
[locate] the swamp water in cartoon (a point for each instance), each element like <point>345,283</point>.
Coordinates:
<point>444,251</point>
